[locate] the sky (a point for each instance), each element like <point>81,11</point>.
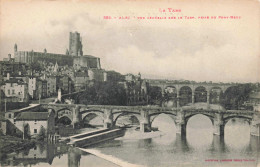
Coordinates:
<point>218,50</point>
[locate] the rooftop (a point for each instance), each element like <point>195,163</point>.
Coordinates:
<point>89,56</point>
<point>33,116</point>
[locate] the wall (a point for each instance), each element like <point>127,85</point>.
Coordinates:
<point>51,85</point>
<point>32,87</point>
<point>31,57</point>
<point>32,124</point>
<point>95,74</point>
<point>16,90</point>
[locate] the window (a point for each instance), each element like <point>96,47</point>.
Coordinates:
<point>35,131</point>
<point>10,115</point>
<point>12,91</point>
<point>9,91</point>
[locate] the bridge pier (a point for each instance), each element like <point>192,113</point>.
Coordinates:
<point>181,124</point>
<point>76,116</point>
<point>255,125</point>
<point>208,97</point>
<point>218,125</point>
<point>145,125</point>
<point>218,129</point>
<point>178,99</point>
<point>181,129</point>
<point>108,119</point>
<point>193,97</point>
<point>218,143</point>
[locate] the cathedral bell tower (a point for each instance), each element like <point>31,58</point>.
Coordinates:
<point>75,44</point>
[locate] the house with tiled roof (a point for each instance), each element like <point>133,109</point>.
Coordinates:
<point>35,123</point>
<point>15,90</point>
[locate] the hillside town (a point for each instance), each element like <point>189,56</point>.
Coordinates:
<point>29,75</point>
<point>31,81</point>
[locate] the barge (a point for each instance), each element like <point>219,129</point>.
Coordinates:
<point>94,137</point>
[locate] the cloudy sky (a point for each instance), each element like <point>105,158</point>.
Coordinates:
<point>194,49</point>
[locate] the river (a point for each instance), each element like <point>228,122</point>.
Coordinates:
<point>199,148</point>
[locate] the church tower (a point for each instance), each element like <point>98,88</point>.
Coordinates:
<point>75,44</point>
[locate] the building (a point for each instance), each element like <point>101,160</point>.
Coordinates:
<point>75,44</point>
<point>12,67</point>
<point>86,61</point>
<point>15,90</point>
<point>64,83</point>
<point>97,75</point>
<point>72,58</point>
<point>80,80</point>
<point>44,88</point>
<point>32,87</point>
<point>136,90</point>
<point>35,123</point>
<point>51,84</point>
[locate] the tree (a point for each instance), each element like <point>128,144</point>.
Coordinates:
<point>36,67</point>
<point>155,95</point>
<point>104,93</point>
<point>234,97</point>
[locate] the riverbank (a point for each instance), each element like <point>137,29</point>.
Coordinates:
<point>9,144</point>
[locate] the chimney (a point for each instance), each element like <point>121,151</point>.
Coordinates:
<point>8,76</point>
<point>59,95</point>
<point>105,76</point>
<point>20,73</point>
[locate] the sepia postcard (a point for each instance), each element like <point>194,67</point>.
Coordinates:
<point>130,83</point>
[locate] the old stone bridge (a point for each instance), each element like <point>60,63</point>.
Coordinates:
<point>78,113</point>
<point>192,89</point>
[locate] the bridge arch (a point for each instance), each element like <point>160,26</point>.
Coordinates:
<point>200,94</point>
<point>91,110</point>
<point>171,89</point>
<point>64,109</point>
<point>247,118</point>
<point>64,112</point>
<point>170,96</point>
<point>154,115</point>
<point>65,120</point>
<point>182,86</point>
<point>185,93</point>
<point>216,94</point>
<point>188,116</point>
<point>117,115</point>
<point>88,116</point>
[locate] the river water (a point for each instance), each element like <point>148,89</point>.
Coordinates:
<point>199,148</point>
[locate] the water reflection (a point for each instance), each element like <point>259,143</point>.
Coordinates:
<point>41,153</point>
<point>168,150</point>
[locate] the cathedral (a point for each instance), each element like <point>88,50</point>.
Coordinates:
<point>73,57</point>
